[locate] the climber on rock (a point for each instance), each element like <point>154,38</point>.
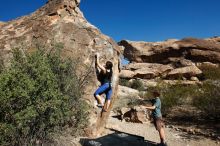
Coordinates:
<point>104,76</point>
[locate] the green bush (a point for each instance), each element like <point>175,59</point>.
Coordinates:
<point>205,97</point>
<point>135,84</point>
<point>208,99</point>
<point>210,72</point>
<point>143,94</point>
<point>124,82</point>
<point>39,95</point>
<point>173,95</point>
<point>177,95</point>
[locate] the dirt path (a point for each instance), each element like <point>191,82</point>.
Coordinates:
<point>149,133</point>
<point>119,133</point>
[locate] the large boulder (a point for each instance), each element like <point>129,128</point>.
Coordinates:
<point>158,52</point>
<point>124,91</point>
<point>214,39</point>
<point>127,74</point>
<point>178,70</point>
<point>171,59</point>
<point>187,72</point>
<point>134,115</point>
<point>62,22</point>
<point>183,82</point>
<point>145,70</point>
<point>154,83</point>
<point>1,23</point>
<point>202,64</point>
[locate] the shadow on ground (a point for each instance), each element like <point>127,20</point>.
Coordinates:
<point>117,139</point>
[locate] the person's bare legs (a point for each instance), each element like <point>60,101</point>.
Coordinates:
<point>162,135</point>
<point>107,104</point>
<point>99,99</point>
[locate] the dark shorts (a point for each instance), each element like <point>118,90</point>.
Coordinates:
<point>158,123</point>
<point>105,88</point>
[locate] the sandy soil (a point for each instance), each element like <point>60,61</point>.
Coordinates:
<point>174,138</point>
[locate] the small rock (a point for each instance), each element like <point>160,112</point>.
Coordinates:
<point>177,129</point>
<point>194,79</point>
<point>185,130</point>
<point>191,131</point>
<point>198,131</point>
<point>168,126</point>
<point>213,134</point>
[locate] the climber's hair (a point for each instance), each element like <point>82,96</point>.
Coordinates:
<point>156,93</point>
<point>109,65</point>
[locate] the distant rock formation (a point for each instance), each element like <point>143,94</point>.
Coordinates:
<point>1,23</point>
<point>61,21</point>
<point>144,70</point>
<point>197,50</point>
<point>171,59</point>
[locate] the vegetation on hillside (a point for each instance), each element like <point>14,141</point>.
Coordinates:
<point>135,84</point>
<point>211,73</point>
<point>39,96</point>
<point>204,97</point>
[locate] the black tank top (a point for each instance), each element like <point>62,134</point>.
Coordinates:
<point>107,77</point>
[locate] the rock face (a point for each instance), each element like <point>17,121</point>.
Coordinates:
<point>1,23</point>
<point>124,91</point>
<point>135,115</point>
<point>155,70</point>
<point>193,49</point>
<point>61,21</point>
<point>187,72</point>
<point>171,59</point>
<point>144,70</point>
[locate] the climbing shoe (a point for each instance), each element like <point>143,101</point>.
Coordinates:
<point>99,105</point>
<point>103,110</point>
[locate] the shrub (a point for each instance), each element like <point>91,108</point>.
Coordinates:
<point>173,95</point>
<point>137,84</point>
<point>124,82</point>
<point>208,99</point>
<point>177,95</point>
<point>205,97</point>
<point>210,72</point>
<point>39,95</point>
<point>143,94</point>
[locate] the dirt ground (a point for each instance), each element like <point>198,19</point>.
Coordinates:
<point>119,133</point>
<point>174,138</point>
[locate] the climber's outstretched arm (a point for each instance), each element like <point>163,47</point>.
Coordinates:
<point>98,64</point>
<point>148,107</point>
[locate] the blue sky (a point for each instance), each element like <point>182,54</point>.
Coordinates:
<point>144,20</point>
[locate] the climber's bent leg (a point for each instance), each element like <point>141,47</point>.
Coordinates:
<point>106,105</point>
<point>108,99</point>
<point>99,99</point>
<point>99,91</point>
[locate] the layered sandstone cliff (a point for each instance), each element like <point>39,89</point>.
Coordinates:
<point>171,59</point>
